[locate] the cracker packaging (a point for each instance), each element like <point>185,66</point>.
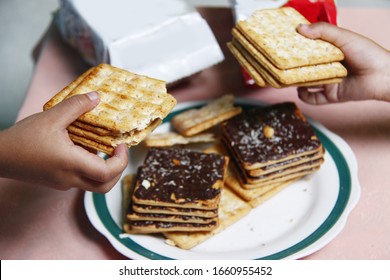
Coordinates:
<point>269,48</point>
<point>131,106</point>
<point>168,40</point>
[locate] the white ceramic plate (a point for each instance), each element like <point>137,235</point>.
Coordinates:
<point>298,221</point>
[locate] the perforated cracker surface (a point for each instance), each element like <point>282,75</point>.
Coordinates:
<point>289,76</point>
<point>127,101</point>
<point>273,32</point>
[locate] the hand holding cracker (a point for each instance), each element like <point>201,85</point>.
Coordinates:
<point>131,107</point>
<point>270,49</point>
<point>368,65</point>
<point>39,150</point>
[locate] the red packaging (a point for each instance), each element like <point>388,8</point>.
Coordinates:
<point>314,11</point>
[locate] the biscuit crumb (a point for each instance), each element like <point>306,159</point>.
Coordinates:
<point>146,184</point>
<point>170,242</point>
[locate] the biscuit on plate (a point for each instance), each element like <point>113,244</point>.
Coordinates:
<point>194,121</point>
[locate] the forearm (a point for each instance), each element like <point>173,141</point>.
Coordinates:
<point>7,168</point>
<point>384,92</point>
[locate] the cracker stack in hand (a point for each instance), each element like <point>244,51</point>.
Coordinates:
<point>131,106</point>
<point>269,48</point>
<point>269,147</point>
<point>176,190</point>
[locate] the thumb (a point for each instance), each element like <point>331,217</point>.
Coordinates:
<point>327,32</point>
<point>71,108</point>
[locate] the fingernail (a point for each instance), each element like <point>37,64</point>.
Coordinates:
<point>93,95</point>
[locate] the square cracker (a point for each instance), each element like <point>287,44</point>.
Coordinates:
<point>292,76</point>
<point>249,136</point>
<point>194,121</point>
<point>142,227</point>
<point>235,183</point>
<point>172,138</point>
<point>147,209</point>
<point>255,181</point>
<point>153,223</point>
<point>127,101</point>
<point>273,32</point>
<point>249,68</point>
<point>285,164</point>
<point>271,193</point>
<point>134,216</point>
<point>180,178</point>
<point>132,138</point>
<point>131,106</point>
<point>263,78</point>
<point>231,210</point>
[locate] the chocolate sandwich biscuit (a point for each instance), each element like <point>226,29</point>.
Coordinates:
<point>180,178</point>
<point>148,209</point>
<point>231,209</point>
<point>285,164</point>
<point>134,216</point>
<point>153,222</point>
<point>258,179</point>
<point>141,227</point>
<point>263,136</point>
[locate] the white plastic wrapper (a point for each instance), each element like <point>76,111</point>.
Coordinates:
<point>163,39</point>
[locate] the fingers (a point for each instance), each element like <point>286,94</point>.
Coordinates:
<point>101,175</point>
<point>312,97</point>
<point>71,108</point>
<point>90,172</point>
<point>327,32</point>
<point>319,95</point>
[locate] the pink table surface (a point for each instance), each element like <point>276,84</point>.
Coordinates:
<point>40,223</point>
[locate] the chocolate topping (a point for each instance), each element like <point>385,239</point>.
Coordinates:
<point>179,176</point>
<point>292,134</point>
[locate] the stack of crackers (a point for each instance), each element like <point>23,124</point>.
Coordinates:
<point>269,48</point>
<point>175,190</point>
<point>131,106</point>
<point>269,148</point>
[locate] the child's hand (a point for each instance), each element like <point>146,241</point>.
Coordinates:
<point>38,149</point>
<point>368,67</point>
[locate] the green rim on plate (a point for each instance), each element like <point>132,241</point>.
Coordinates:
<point>99,201</point>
